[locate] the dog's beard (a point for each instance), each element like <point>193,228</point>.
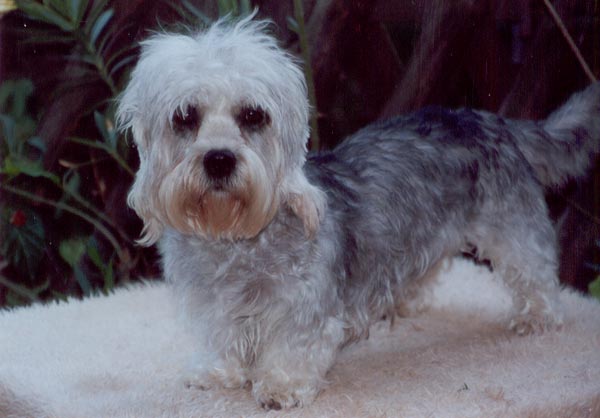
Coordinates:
<point>239,207</point>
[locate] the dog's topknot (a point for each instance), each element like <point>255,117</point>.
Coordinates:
<point>217,73</point>
<point>232,56</point>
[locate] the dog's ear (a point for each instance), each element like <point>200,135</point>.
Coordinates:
<point>140,197</point>
<point>140,201</point>
<point>307,201</point>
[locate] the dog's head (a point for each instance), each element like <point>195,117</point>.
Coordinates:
<point>220,120</point>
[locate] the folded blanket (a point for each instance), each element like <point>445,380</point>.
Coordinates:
<point>123,356</point>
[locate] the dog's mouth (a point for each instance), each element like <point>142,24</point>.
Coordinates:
<point>220,187</point>
<point>222,191</point>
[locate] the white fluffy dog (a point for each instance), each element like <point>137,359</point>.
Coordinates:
<point>279,261</point>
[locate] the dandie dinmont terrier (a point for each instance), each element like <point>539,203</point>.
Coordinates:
<point>279,260</point>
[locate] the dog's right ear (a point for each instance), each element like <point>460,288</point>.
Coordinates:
<point>127,117</point>
<point>142,201</point>
<point>153,227</point>
<point>307,201</point>
<point>139,197</point>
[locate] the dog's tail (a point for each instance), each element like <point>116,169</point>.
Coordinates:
<point>564,145</point>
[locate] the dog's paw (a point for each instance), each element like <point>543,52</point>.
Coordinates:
<point>282,397</point>
<point>536,314</point>
<point>205,379</point>
<point>531,323</point>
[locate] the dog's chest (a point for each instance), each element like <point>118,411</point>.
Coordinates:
<point>273,256</point>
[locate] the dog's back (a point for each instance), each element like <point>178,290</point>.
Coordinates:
<point>415,189</point>
<point>558,148</point>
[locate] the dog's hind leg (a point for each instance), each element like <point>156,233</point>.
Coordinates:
<point>521,246</point>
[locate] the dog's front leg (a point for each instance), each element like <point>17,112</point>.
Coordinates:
<point>217,361</point>
<point>291,369</point>
<point>219,373</point>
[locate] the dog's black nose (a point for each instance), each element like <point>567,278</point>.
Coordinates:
<point>219,164</point>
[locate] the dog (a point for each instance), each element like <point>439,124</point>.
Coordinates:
<point>280,258</point>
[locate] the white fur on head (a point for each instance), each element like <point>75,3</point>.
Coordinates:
<point>228,66</point>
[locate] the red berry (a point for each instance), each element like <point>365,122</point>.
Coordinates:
<point>18,218</point>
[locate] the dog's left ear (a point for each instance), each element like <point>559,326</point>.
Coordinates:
<point>308,202</point>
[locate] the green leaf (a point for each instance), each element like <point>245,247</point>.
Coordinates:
<point>61,6</point>
<point>37,143</point>
<point>128,51</point>
<point>83,281</point>
<point>24,129</point>
<point>59,296</point>
<point>97,8</point>
<point>9,133</point>
<point>71,182</point>
<point>6,89</point>
<point>109,277</point>
<point>14,95</point>
<point>227,7</point>
<point>94,254</point>
<point>107,130</point>
<point>192,10</point>
<point>23,244</point>
<point>15,124</point>
<point>293,25</point>
<point>29,294</point>
<point>130,59</point>
<point>22,90</point>
<point>82,7</point>
<point>245,7</point>
<point>105,41</point>
<point>72,250</point>
<point>99,25</point>
<point>106,270</point>
<point>43,13</point>
<point>100,122</point>
<point>76,9</point>
<point>15,165</point>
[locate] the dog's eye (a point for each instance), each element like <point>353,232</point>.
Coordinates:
<point>186,119</point>
<point>253,118</point>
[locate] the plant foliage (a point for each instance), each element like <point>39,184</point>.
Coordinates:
<point>58,235</point>
<point>42,204</point>
<point>86,25</point>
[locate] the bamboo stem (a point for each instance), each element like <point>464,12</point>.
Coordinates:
<point>588,72</point>
<point>310,83</point>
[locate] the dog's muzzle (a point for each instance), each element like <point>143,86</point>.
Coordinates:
<point>219,164</point>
